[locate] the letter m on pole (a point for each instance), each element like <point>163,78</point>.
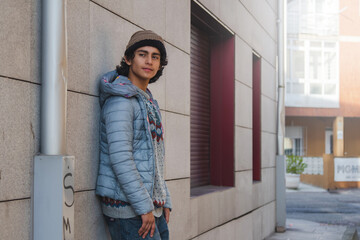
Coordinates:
<point>66,226</point>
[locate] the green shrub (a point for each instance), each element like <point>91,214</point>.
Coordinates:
<point>295,164</point>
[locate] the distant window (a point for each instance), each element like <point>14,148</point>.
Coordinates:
<point>312,73</point>
<point>293,141</point>
<point>318,17</point>
<point>328,141</point>
<point>293,146</point>
<point>315,65</point>
<point>298,64</point>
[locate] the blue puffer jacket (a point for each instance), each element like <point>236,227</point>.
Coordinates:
<point>127,165</point>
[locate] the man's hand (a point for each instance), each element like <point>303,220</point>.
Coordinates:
<point>148,224</point>
<point>167,214</point>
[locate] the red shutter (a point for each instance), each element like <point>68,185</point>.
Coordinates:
<point>200,108</point>
<point>256,118</point>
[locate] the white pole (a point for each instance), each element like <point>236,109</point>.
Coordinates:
<point>281,76</point>
<point>54,78</point>
<point>280,158</point>
<point>53,194</point>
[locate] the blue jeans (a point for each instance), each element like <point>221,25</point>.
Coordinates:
<point>127,229</point>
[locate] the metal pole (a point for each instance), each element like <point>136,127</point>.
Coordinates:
<point>53,194</point>
<point>281,77</point>
<point>54,78</point>
<point>280,158</point>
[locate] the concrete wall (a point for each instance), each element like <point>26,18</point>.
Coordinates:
<point>98,31</point>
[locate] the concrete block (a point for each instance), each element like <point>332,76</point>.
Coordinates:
<point>263,44</point>
<point>124,8</point>
<point>109,35</point>
<point>89,220</point>
<point>243,62</point>
<point>268,149</point>
<point>263,221</point>
<point>35,41</point>
<point>208,211</point>
<point>257,223</point>
<point>274,5</point>
<point>256,193</point>
<point>269,190</point>
<point>222,204</point>
<point>213,234</point>
<point>268,80</point>
<point>158,90</point>
<point>244,26</point>
<point>243,105</point>
<point>177,143</point>
<point>178,24</point>
<point>16,219</point>
<point>244,185</point>
<point>180,217</point>
<point>194,216</point>
<point>228,231</point>
<point>251,32</point>
<point>15,39</point>
<point>212,5</point>
<point>19,133</point>
<point>78,27</point>
<point>268,220</point>
<point>264,14</point>
<point>263,192</point>
<point>228,13</point>
<point>178,81</point>
<point>227,201</point>
<point>83,138</point>
<point>243,149</point>
<point>268,114</point>
<point>244,227</point>
<point>150,17</point>
<point>141,13</point>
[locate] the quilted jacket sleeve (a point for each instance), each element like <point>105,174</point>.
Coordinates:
<point>119,121</point>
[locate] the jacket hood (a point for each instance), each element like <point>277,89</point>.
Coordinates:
<point>112,84</point>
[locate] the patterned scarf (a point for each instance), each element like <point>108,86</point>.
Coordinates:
<point>154,120</point>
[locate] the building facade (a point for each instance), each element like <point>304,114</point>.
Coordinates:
<point>218,99</point>
<point>322,110</point>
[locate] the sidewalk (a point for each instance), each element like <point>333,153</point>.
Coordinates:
<point>297,229</point>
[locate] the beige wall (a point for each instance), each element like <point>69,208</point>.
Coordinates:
<point>98,31</point>
<point>351,137</point>
<point>313,133</point>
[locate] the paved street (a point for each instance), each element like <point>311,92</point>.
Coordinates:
<point>314,213</point>
<point>339,207</point>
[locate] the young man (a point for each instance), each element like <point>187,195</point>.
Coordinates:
<point>134,196</point>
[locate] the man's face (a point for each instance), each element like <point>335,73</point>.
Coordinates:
<point>145,64</point>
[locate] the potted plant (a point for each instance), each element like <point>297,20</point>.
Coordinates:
<point>294,167</point>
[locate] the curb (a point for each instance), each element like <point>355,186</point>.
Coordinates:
<point>350,234</point>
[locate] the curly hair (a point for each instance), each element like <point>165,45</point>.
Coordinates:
<point>123,68</point>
